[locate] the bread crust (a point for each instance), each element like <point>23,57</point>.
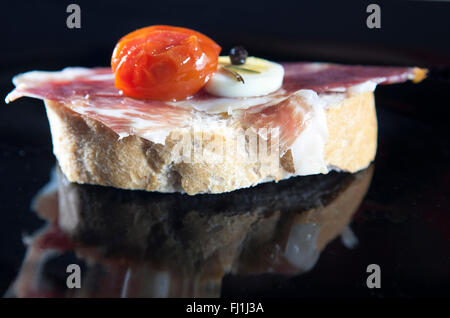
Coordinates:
<point>90,152</point>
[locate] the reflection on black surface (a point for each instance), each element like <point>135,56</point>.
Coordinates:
<point>139,244</point>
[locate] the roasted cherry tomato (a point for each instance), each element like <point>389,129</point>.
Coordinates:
<point>163,62</point>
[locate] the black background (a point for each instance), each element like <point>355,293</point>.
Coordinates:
<point>34,33</point>
<point>412,175</point>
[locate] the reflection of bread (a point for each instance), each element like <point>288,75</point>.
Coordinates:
<point>89,152</point>
<point>227,230</point>
<point>140,244</point>
<point>298,238</point>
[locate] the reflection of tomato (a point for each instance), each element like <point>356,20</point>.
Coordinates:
<point>163,62</point>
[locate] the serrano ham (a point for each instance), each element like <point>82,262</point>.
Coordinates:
<point>91,92</point>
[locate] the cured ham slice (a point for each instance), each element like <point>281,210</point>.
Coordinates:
<point>91,92</point>
<point>323,77</point>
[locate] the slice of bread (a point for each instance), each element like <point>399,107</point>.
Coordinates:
<point>90,152</point>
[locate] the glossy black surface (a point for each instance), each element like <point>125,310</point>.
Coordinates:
<point>403,224</point>
<point>139,244</point>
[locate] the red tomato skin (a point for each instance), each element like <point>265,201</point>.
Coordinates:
<point>164,62</point>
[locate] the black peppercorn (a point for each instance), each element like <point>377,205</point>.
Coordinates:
<point>238,55</point>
